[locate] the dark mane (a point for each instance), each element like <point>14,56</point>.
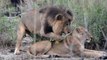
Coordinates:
<point>52,11</point>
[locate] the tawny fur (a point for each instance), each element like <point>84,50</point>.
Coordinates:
<point>48,21</point>
<point>40,50</point>
<point>73,45</point>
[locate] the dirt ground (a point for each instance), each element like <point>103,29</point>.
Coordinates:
<point>6,53</point>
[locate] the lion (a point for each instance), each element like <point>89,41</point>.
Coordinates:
<point>49,21</point>
<point>73,45</point>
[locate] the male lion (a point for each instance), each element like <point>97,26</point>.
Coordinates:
<point>48,21</point>
<point>73,45</point>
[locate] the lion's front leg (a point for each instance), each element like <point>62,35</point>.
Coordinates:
<point>55,36</point>
<point>50,34</point>
<point>47,31</point>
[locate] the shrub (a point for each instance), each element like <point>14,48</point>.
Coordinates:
<point>8,29</point>
<point>90,13</point>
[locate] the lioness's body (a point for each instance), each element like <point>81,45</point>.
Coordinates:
<point>73,45</point>
<point>63,48</point>
<point>49,22</point>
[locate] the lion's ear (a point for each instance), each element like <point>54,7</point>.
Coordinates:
<point>42,10</point>
<point>70,13</point>
<point>58,17</point>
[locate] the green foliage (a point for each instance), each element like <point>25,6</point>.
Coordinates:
<point>89,13</point>
<point>8,27</point>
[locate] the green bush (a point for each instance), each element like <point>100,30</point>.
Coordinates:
<point>89,13</point>
<point>8,27</point>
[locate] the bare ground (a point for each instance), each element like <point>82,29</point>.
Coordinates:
<point>6,53</point>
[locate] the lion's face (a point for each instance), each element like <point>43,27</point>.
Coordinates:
<point>62,23</point>
<point>59,19</point>
<point>83,34</point>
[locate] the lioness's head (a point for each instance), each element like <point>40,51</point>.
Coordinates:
<point>82,34</point>
<point>59,19</point>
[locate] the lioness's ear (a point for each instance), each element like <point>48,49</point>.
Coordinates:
<point>78,30</point>
<point>58,17</point>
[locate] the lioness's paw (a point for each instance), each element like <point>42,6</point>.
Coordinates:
<point>103,53</point>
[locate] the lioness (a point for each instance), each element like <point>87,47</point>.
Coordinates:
<point>73,45</point>
<point>48,21</point>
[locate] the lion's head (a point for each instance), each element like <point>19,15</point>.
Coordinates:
<point>59,19</point>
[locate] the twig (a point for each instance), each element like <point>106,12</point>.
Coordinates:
<point>104,38</point>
